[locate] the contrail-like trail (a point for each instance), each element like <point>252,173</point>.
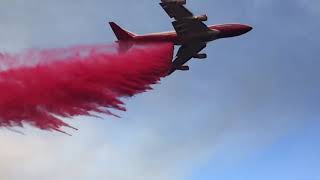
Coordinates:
<point>38,86</point>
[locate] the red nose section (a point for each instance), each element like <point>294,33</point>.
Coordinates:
<point>231,30</point>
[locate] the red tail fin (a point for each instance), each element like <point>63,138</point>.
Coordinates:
<point>122,34</point>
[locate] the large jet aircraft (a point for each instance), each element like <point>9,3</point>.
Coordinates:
<point>190,33</point>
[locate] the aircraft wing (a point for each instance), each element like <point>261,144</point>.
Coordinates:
<point>185,53</point>
<point>185,23</point>
<point>175,9</point>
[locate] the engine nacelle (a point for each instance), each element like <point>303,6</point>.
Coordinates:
<point>183,68</point>
<point>201,18</point>
<point>201,56</point>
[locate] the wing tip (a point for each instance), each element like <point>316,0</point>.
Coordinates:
<point>180,2</point>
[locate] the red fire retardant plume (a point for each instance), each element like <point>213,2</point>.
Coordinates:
<point>38,87</point>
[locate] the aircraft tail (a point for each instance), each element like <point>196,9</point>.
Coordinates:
<point>121,34</point>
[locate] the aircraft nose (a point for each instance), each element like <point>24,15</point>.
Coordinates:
<point>232,30</point>
<point>245,28</point>
<point>248,28</point>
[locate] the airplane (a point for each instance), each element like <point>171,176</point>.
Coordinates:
<point>191,33</point>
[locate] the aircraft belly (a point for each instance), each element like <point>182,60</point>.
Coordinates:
<point>202,37</point>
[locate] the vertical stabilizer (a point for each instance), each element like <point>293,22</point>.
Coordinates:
<point>121,34</point>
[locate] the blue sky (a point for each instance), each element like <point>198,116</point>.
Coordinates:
<point>291,157</point>
<point>250,111</point>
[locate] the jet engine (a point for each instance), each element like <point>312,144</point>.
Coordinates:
<point>202,17</point>
<point>183,68</point>
<point>201,56</point>
<point>199,18</point>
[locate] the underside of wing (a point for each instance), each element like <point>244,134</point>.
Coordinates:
<point>185,53</point>
<point>185,22</point>
<point>175,9</point>
<point>189,30</point>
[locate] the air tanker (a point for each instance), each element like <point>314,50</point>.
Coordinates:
<point>191,33</point>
